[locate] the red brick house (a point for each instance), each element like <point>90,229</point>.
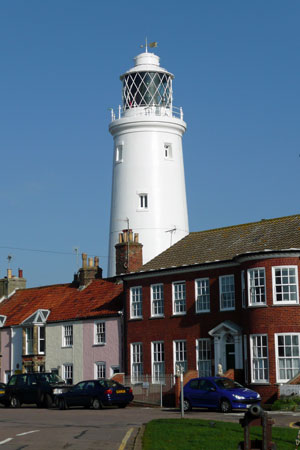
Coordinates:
<point>225,299</point>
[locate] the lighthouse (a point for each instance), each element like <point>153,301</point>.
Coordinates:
<point>148,185</point>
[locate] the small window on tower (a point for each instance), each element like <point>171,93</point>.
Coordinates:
<point>119,153</point>
<point>168,151</point>
<point>143,201</point>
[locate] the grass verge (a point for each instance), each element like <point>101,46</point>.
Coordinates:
<point>190,434</point>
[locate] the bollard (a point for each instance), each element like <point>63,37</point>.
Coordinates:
<point>256,416</point>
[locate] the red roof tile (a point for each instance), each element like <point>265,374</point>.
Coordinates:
<point>65,302</point>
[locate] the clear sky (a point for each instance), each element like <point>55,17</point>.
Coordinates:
<point>237,71</point>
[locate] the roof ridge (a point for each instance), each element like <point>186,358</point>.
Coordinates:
<point>244,224</point>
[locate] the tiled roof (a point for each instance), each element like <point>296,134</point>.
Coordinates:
<point>65,302</point>
<point>223,244</point>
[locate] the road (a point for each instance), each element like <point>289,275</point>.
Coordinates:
<point>33,428</point>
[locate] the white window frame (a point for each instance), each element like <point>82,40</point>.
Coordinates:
<point>100,332</point>
<point>29,336</point>
<point>41,339</point>
<point>136,302</point>
<point>203,357</point>
<point>158,362</point>
<point>157,300</point>
<point>67,335</point>
<point>257,286</point>
<point>100,370</point>
<point>68,372</point>
<point>180,355</point>
<point>202,292</point>
<point>179,298</point>
<point>287,285</point>
<point>136,362</point>
<point>230,294</point>
<point>259,358</point>
<point>289,358</point>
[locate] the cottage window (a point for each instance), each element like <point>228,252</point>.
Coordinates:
<point>68,373</point>
<point>67,335</point>
<point>100,337</point>
<point>136,362</point>
<point>227,292</point>
<point>203,349</point>
<point>136,305</point>
<point>288,356</point>
<point>100,370</point>
<point>180,356</point>
<point>29,340</point>
<point>259,359</point>
<point>202,295</point>
<point>158,362</point>
<point>257,289</point>
<point>157,300</point>
<point>41,340</point>
<point>285,284</point>
<point>179,298</point>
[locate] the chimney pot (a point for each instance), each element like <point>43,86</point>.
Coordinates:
<point>90,262</point>
<point>20,273</point>
<point>9,273</point>
<point>84,260</point>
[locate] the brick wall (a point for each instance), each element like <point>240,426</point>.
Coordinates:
<point>269,319</point>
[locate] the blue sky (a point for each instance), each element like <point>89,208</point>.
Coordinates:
<point>237,70</point>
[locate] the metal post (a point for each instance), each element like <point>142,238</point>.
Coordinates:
<point>181,392</point>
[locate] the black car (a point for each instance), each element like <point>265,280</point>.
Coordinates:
<point>2,394</point>
<point>32,388</point>
<point>96,394</point>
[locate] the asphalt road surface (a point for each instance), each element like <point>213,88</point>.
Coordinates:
<point>109,429</point>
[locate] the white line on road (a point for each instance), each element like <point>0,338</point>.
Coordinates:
<point>27,432</point>
<point>125,439</point>
<point>6,440</point>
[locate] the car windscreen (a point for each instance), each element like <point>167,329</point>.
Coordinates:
<point>226,383</point>
<point>51,378</point>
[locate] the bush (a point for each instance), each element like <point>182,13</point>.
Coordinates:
<point>291,403</point>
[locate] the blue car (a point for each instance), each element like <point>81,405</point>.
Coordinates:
<point>95,394</point>
<point>218,393</point>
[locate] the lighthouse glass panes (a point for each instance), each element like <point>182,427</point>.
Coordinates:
<point>147,89</point>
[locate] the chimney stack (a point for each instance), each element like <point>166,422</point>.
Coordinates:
<point>129,252</point>
<point>10,283</point>
<point>90,270</point>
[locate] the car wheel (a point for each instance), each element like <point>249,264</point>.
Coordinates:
<point>48,401</point>
<point>96,403</point>
<point>186,405</point>
<point>225,406</point>
<point>62,403</point>
<point>15,402</point>
<point>122,405</point>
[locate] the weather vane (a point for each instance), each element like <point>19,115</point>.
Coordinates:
<point>151,45</point>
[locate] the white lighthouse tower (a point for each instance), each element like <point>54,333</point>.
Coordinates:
<point>148,187</point>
